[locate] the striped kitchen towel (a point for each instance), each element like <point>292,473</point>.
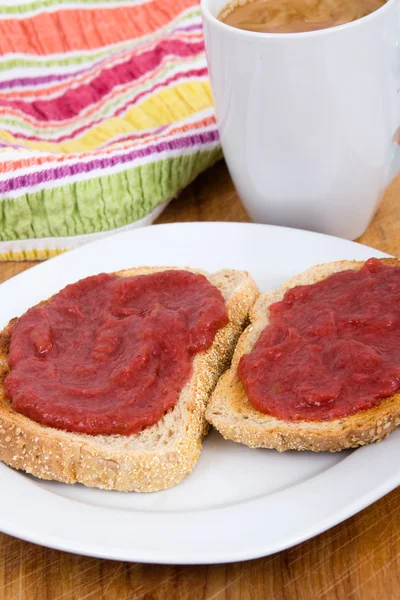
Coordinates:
<point>105,114</point>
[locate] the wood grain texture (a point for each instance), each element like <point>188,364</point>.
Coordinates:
<point>357,560</point>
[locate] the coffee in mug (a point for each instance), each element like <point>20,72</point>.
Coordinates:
<point>288,16</point>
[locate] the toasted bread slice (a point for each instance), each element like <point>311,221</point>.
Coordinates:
<point>232,414</point>
<point>158,457</point>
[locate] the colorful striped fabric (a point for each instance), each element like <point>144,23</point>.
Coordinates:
<point>105,114</point>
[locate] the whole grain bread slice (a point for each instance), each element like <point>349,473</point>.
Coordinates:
<point>158,457</point>
<point>232,414</point>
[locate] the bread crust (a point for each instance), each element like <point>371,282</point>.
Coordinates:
<point>158,457</point>
<point>232,414</point>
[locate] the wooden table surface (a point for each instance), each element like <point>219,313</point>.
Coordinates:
<point>359,559</point>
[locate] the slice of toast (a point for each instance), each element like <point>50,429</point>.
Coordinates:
<point>232,414</point>
<point>158,457</point>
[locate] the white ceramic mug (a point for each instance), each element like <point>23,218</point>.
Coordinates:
<point>308,121</point>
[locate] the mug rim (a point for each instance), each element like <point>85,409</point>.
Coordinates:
<point>206,12</point>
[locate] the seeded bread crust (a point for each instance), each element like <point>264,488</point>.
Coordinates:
<point>158,457</point>
<point>232,414</point>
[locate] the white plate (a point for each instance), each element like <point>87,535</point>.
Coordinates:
<point>238,503</point>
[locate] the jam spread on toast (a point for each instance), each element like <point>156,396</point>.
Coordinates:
<point>110,355</point>
<point>331,349</point>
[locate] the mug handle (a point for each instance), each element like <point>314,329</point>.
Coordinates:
<point>394,167</point>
